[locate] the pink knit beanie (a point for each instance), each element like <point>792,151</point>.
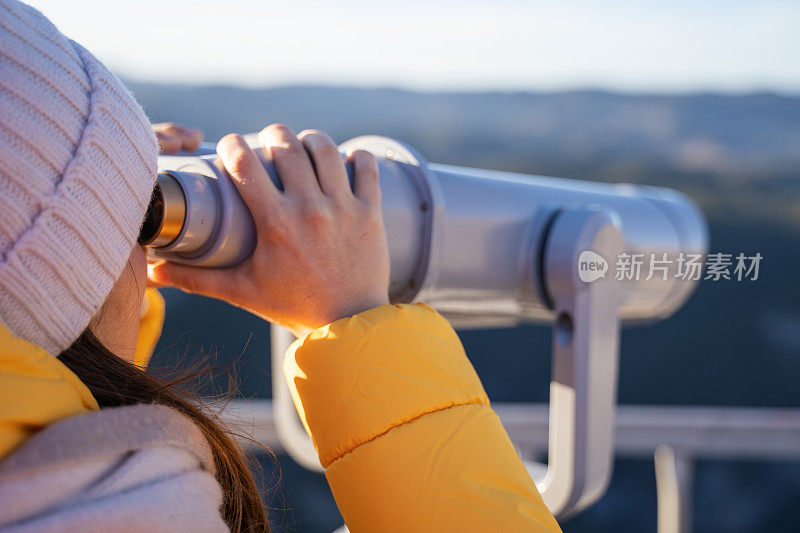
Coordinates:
<point>77,166</point>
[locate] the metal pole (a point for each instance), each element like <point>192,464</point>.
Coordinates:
<point>674,479</point>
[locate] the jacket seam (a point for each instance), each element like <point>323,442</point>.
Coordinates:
<point>471,401</point>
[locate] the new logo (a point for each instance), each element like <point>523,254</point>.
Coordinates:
<point>591,266</point>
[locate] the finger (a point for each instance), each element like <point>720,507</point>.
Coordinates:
<point>367,177</point>
<point>168,143</point>
<point>248,174</point>
<point>151,265</point>
<point>328,162</point>
<point>215,283</point>
<point>188,138</point>
<point>191,139</point>
<point>291,160</point>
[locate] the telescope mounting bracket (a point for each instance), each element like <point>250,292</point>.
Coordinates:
<point>584,358</point>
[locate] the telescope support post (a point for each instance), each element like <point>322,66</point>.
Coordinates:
<point>585,358</point>
<point>290,429</point>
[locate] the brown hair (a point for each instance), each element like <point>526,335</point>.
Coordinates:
<point>115,382</point>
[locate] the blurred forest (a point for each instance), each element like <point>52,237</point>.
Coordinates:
<point>734,343</point>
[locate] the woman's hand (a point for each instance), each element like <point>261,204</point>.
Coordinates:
<point>174,137</point>
<point>321,251</point>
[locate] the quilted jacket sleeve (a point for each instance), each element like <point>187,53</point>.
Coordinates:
<point>404,428</point>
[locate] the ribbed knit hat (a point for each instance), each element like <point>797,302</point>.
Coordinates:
<point>77,166</point>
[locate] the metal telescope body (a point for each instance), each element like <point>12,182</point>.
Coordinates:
<point>490,249</point>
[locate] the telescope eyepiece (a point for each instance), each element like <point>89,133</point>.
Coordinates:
<point>166,213</point>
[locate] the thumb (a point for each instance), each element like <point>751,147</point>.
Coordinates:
<point>206,281</point>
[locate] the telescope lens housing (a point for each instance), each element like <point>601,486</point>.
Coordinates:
<point>166,213</point>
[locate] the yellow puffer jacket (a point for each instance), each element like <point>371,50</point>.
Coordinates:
<point>404,428</point>
<point>395,410</point>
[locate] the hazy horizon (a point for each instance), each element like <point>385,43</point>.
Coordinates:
<point>618,46</point>
<point>466,91</point>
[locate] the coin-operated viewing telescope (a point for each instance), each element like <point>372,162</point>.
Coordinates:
<point>487,249</point>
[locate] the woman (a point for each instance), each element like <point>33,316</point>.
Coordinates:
<point>90,442</point>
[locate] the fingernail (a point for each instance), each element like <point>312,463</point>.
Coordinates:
<point>228,142</point>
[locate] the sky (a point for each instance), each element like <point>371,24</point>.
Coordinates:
<point>636,46</point>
